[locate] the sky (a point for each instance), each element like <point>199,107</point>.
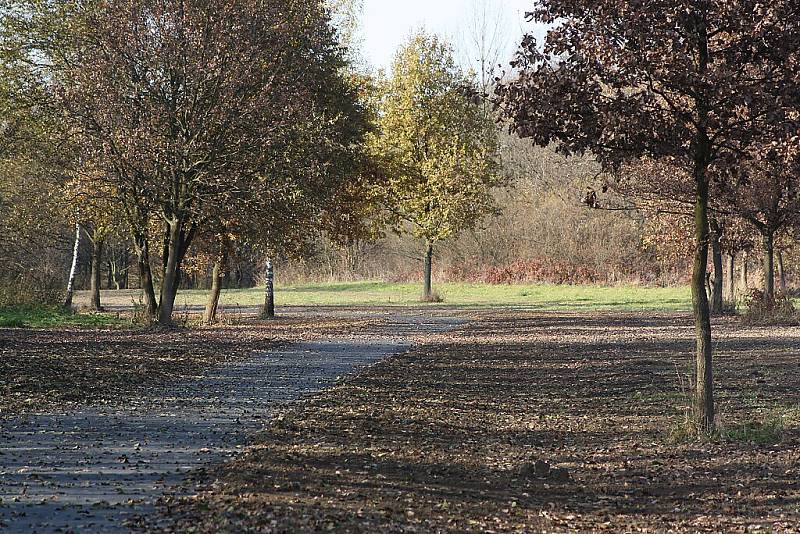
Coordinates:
<point>388,23</point>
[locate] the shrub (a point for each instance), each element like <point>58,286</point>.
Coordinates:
<point>777,310</point>
<point>30,292</point>
<point>529,271</point>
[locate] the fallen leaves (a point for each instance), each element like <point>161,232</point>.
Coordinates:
<point>43,370</point>
<point>520,422</point>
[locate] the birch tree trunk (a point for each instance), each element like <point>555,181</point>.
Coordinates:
<point>111,280</point>
<point>730,276</point>
<point>427,293</point>
<point>268,311</point>
<point>73,269</point>
<point>781,273</point>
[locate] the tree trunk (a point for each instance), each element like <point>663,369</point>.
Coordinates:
<point>146,276</point>
<point>781,273</point>
<point>169,283</point>
<point>744,281</point>
<point>97,257</point>
<point>704,394</point>
<point>210,314</point>
<point>717,302</point>
<point>730,271</point>
<point>769,266</point>
<point>268,312</point>
<point>73,269</point>
<point>121,281</point>
<point>427,293</point>
<point>111,282</point>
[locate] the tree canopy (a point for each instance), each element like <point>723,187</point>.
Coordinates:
<point>438,149</point>
<point>190,108</point>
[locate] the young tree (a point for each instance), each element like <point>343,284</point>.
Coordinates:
<point>693,83</point>
<point>73,269</point>
<point>99,218</point>
<point>311,184</point>
<point>36,237</point>
<point>34,226</point>
<point>437,147</point>
<point>221,245</point>
<point>736,240</point>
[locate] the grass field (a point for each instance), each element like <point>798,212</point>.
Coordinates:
<point>531,296</point>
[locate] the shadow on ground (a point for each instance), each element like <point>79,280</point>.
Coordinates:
<point>525,422</point>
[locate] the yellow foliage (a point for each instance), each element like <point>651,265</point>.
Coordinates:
<point>436,145</point>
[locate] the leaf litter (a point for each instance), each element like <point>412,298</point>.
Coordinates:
<point>522,422</point>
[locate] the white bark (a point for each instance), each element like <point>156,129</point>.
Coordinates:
<point>74,268</point>
<point>269,292</point>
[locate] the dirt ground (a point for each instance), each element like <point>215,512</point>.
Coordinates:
<point>527,422</point>
<point>43,370</point>
<point>101,466</point>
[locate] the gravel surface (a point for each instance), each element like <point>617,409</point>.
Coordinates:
<point>96,469</point>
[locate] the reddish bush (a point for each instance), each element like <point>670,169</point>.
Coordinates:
<point>528,271</point>
<point>553,272</point>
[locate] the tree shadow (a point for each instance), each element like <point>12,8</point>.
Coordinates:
<point>445,432</point>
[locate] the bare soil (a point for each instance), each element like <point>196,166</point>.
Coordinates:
<point>526,422</point>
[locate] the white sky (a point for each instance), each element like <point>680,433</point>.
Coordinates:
<point>388,23</point>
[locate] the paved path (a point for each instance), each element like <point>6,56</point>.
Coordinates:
<point>95,469</point>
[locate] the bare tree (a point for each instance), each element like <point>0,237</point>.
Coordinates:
<point>482,42</point>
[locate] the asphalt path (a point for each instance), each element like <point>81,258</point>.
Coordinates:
<point>99,468</point>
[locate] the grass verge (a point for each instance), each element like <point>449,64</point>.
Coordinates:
<point>50,317</point>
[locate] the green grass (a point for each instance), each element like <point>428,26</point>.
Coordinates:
<point>533,296</point>
<point>48,317</point>
<point>760,432</point>
<point>768,427</point>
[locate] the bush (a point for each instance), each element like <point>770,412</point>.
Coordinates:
<point>26,291</point>
<point>777,310</point>
<point>528,271</point>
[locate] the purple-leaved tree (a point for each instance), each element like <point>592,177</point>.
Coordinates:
<point>695,84</point>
